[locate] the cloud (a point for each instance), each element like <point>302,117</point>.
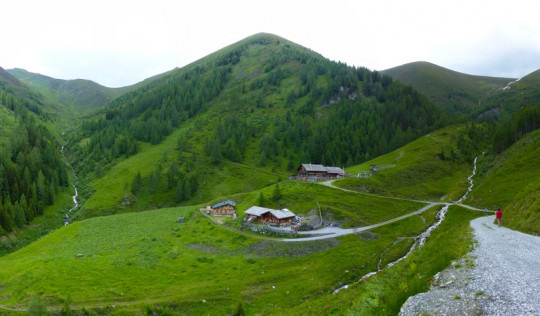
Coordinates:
<point>122,42</point>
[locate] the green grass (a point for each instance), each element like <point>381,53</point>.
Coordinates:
<point>511,181</point>
<point>418,172</point>
<point>52,218</point>
<point>384,293</point>
<point>148,258</point>
<point>449,89</point>
<point>348,208</point>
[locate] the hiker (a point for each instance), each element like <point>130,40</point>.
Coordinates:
<point>499,217</point>
<point>485,212</point>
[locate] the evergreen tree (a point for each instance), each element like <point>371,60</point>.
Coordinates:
<point>276,195</point>
<point>261,201</point>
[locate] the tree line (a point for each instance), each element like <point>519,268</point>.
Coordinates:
<point>523,121</point>
<point>32,169</point>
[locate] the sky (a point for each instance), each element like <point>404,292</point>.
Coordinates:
<point>118,43</point>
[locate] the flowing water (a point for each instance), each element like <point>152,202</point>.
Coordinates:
<point>421,239</point>
<point>76,195</point>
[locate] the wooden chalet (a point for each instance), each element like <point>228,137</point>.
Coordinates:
<point>226,208</point>
<point>310,171</point>
<point>267,215</point>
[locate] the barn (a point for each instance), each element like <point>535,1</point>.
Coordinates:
<point>310,171</point>
<point>226,208</point>
<point>266,215</point>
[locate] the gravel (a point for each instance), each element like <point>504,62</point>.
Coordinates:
<point>501,276</point>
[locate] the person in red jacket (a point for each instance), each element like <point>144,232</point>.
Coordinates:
<point>498,215</point>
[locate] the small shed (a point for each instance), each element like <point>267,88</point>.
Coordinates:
<point>267,215</point>
<point>226,208</point>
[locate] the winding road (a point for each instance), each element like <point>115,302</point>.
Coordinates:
<point>332,232</point>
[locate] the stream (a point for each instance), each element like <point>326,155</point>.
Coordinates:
<point>420,239</point>
<point>76,195</point>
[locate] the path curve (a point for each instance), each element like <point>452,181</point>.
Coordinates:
<point>332,232</point>
<point>504,279</point>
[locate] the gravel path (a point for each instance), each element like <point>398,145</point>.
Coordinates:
<point>332,232</point>
<point>501,276</point>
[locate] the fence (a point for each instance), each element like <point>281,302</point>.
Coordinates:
<point>269,229</point>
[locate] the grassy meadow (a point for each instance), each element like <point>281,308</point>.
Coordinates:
<point>385,292</point>
<point>417,171</point>
<point>148,258</point>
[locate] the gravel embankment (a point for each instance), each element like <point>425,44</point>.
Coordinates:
<point>501,276</point>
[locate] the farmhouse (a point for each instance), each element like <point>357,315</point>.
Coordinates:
<point>267,215</point>
<point>309,171</point>
<point>224,209</point>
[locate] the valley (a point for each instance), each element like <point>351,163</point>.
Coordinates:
<point>94,182</point>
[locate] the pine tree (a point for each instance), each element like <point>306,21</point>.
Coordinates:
<point>261,201</point>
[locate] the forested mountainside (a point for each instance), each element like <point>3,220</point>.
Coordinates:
<point>32,169</point>
<point>264,102</point>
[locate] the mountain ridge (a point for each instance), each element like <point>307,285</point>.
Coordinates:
<point>81,94</point>
<point>453,91</point>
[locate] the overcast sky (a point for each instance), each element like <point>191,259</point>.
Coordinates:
<point>117,43</point>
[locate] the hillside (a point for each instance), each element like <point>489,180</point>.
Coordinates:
<point>84,95</point>
<point>33,175</point>
<point>511,181</point>
<point>433,167</point>
<point>456,93</point>
<point>237,120</point>
<point>514,96</point>
<point>149,260</point>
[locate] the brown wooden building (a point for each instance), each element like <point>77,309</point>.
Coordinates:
<point>226,208</point>
<point>267,215</point>
<point>310,171</point>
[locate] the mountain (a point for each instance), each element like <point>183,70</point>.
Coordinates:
<point>233,126</point>
<point>513,96</point>
<point>453,91</point>
<point>81,94</point>
<point>33,173</point>
<point>240,118</point>
<point>7,79</point>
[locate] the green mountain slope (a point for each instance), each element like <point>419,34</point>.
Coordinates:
<point>510,98</point>
<point>511,181</point>
<point>81,94</point>
<point>33,175</point>
<point>433,167</point>
<point>453,91</point>
<point>239,119</point>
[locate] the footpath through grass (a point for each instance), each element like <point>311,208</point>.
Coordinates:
<point>511,181</point>
<point>149,259</point>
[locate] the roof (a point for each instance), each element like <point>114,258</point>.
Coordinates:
<point>228,202</point>
<point>321,168</point>
<point>316,168</point>
<point>336,170</point>
<point>284,213</point>
<point>259,211</point>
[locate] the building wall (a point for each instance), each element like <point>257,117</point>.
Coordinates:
<point>223,210</point>
<point>269,218</point>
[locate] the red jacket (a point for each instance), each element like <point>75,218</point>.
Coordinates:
<point>499,214</point>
